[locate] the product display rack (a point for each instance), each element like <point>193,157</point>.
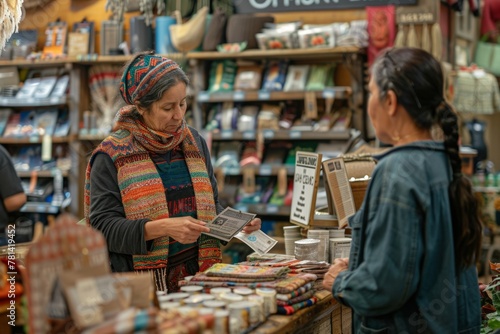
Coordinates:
<point>78,100</point>
<point>354,97</point>
<point>38,105</point>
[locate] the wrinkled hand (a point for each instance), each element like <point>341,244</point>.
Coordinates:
<point>252,226</point>
<point>338,266</point>
<point>185,230</point>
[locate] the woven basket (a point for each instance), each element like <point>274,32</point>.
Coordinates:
<point>358,167</point>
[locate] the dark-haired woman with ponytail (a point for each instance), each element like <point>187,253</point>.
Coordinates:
<point>417,236</point>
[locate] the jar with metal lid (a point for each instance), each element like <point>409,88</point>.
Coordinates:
<point>239,317</point>
<point>176,297</point>
<point>270,304</point>
<point>259,300</point>
<point>243,291</point>
<point>221,325</point>
<point>217,292</point>
<point>231,298</point>
<point>214,304</point>
<point>192,289</point>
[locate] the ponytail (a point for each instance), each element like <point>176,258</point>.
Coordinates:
<point>467,228</point>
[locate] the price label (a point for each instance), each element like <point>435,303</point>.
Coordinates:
<point>203,96</point>
<point>248,135</point>
<point>34,139</point>
<point>238,96</point>
<point>294,134</point>
<point>268,134</point>
<point>265,170</point>
<point>226,134</point>
<point>272,209</point>
<point>264,95</point>
<point>329,93</point>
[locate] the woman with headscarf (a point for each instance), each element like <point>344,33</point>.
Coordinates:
<point>150,186</point>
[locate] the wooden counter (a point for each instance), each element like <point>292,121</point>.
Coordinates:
<point>325,317</point>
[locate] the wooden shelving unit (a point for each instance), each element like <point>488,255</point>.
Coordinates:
<point>250,96</point>
<point>34,140</point>
<point>41,173</point>
<point>276,54</point>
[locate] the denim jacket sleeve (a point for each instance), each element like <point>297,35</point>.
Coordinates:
<point>387,275</point>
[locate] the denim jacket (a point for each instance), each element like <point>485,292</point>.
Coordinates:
<point>401,276</point>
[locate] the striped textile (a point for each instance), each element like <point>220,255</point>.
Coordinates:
<point>142,74</point>
<point>142,190</point>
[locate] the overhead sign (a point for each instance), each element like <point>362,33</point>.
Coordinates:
<point>266,6</point>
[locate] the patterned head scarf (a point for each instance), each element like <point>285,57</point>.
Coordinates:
<point>142,74</point>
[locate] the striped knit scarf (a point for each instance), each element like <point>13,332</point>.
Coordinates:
<point>141,188</point>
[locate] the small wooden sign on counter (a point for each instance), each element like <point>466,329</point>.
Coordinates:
<point>305,187</point>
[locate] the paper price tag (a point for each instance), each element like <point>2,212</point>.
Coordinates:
<point>248,135</point>
<point>265,170</point>
<point>203,97</point>
<point>264,95</point>
<point>268,134</point>
<point>238,96</point>
<point>226,134</point>
<point>294,134</point>
<point>329,93</point>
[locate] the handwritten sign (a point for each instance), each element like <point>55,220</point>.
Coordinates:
<point>266,6</point>
<point>305,187</point>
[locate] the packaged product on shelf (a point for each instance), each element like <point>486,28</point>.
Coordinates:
<point>275,40</point>
<point>274,79</point>
<point>248,78</point>
<point>45,122</point>
<point>296,78</point>
<point>318,77</point>
<point>222,75</point>
<point>317,37</point>
<point>4,118</point>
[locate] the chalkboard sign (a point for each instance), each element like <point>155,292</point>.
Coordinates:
<point>267,6</point>
<point>305,187</point>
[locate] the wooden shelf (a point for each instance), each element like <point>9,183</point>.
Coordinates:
<point>36,63</point>
<point>33,140</point>
<point>40,207</point>
<point>340,92</point>
<point>281,135</point>
<point>313,53</point>
<point>30,102</point>
<point>263,170</point>
<point>41,173</point>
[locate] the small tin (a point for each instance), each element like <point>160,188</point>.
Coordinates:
<point>231,298</point>
<point>192,289</point>
<point>214,304</point>
<point>243,291</point>
<point>217,292</point>
<point>221,325</point>
<point>176,297</point>
<point>270,304</point>
<point>169,305</point>
<point>239,317</point>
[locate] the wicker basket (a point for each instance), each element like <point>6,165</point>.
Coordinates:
<point>359,167</point>
<point>30,4</point>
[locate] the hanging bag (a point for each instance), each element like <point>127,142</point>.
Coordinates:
<point>188,36</point>
<point>487,55</point>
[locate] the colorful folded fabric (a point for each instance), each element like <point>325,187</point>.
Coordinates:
<point>283,285</point>
<point>206,278</point>
<point>300,291</point>
<point>296,300</point>
<point>291,309</point>
<point>240,271</point>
